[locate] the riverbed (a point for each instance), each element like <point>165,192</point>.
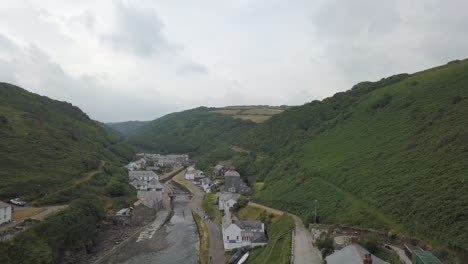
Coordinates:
<point>175,242</point>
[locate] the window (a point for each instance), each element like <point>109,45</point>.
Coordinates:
<point>237,238</point>
<point>227,237</point>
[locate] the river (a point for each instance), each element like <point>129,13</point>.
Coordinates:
<point>174,243</point>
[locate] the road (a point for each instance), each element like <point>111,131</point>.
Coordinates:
<point>48,210</point>
<point>304,250</point>
<point>214,230</point>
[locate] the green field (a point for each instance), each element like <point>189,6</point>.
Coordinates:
<point>257,114</point>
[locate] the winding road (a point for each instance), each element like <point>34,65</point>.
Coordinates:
<point>214,230</point>
<point>304,250</point>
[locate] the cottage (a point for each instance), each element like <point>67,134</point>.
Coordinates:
<point>142,175</point>
<point>190,173</point>
<point>5,212</point>
<point>219,170</point>
<point>353,254</point>
<point>233,182</point>
<point>227,200</point>
<point>244,234</point>
<point>154,185</point>
<point>206,185</point>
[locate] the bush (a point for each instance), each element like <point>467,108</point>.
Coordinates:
<point>241,203</point>
<point>325,244</point>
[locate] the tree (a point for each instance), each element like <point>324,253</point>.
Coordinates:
<point>325,244</point>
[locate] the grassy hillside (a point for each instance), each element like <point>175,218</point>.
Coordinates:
<point>257,114</point>
<point>193,131</point>
<point>47,144</point>
<point>390,155</point>
<point>128,127</point>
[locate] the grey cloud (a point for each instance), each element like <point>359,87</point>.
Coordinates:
<point>138,31</point>
<point>366,39</point>
<point>31,68</point>
<point>191,68</point>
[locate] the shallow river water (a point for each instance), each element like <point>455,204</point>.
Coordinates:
<point>175,243</point>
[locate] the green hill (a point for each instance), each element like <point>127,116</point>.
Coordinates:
<point>193,131</point>
<point>390,154</point>
<point>47,144</point>
<point>128,127</point>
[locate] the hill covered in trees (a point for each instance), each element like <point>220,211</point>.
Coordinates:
<point>390,155</point>
<point>128,127</point>
<point>47,144</point>
<point>194,131</point>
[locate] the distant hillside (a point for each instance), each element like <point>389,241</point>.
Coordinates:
<point>47,144</point>
<point>257,114</point>
<point>193,131</point>
<point>390,155</point>
<point>128,127</point>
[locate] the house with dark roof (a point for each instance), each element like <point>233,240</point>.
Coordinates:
<point>244,234</point>
<point>5,212</point>
<point>233,182</point>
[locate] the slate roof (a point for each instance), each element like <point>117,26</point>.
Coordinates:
<point>133,174</point>
<point>352,254</point>
<point>218,167</point>
<point>249,225</point>
<point>231,173</point>
<point>206,181</point>
<point>3,204</point>
<point>228,196</point>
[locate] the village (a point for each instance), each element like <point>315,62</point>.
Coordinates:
<point>160,179</point>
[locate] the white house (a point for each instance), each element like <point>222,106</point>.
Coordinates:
<point>5,212</point>
<point>206,185</point>
<point>142,175</point>
<point>239,234</point>
<point>227,201</point>
<point>190,173</point>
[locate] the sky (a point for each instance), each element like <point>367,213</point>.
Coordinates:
<point>124,60</point>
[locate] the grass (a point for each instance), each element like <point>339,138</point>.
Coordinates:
<point>278,249</point>
<point>258,186</point>
<point>210,208</point>
<point>254,118</point>
<point>25,214</point>
<point>262,111</point>
<point>203,255</point>
<point>47,145</point>
<point>257,114</point>
<point>389,155</point>
<point>252,213</point>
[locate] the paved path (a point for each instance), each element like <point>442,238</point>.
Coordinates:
<point>48,210</point>
<point>214,230</point>
<point>304,250</point>
<point>401,254</point>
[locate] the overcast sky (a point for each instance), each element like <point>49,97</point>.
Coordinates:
<point>138,60</point>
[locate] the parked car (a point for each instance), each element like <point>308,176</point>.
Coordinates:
<point>17,201</point>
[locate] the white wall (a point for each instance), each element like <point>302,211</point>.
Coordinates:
<point>5,215</point>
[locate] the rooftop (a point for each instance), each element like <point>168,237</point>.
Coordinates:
<point>231,173</point>
<point>352,254</point>
<point>3,204</point>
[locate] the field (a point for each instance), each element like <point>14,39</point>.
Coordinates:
<point>257,114</point>
<point>278,249</point>
<point>25,214</point>
<point>210,208</point>
<point>203,257</point>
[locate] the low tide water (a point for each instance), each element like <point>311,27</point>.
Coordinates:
<point>174,243</point>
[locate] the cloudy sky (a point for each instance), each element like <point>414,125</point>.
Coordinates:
<point>137,60</point>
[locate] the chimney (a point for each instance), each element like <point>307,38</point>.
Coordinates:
<point>367,259</point>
